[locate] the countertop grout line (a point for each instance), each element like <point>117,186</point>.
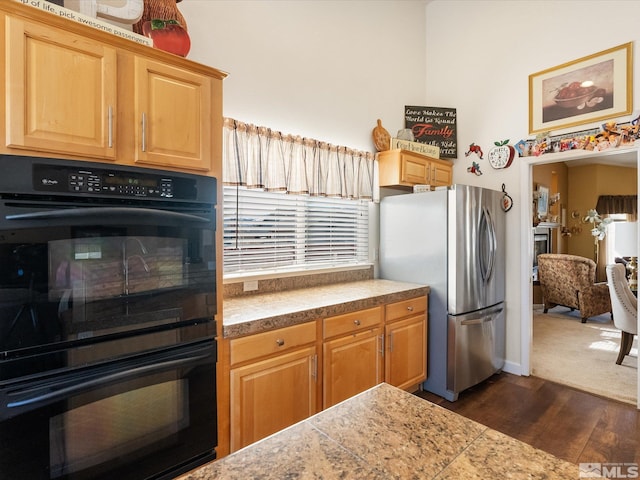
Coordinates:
<point>465,448</point>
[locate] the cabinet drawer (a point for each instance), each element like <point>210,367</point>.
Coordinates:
<point>276,341</point>
<point>352,322</point>
<point>406,307</point>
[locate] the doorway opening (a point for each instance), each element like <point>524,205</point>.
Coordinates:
<point>535,240</point>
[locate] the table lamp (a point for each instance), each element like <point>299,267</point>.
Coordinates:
<point>626,245</point>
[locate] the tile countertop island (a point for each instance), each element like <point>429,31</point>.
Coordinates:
<point>248,314</point>
<point>387,433</point>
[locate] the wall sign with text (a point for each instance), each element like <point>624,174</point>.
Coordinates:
<point>434,126</point>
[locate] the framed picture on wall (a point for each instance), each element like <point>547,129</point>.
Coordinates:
<point>543,202</point>
<point>586,90</point>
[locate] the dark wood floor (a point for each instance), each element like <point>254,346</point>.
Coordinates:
<point>570,424</point>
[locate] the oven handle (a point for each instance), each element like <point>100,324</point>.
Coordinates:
<point>64,392</point>
<point>116,212</point>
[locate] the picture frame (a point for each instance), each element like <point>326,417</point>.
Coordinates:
<point>542,204</point>
<point>589,89</point>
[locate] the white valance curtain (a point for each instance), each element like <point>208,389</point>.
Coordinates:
<point>258,157</point>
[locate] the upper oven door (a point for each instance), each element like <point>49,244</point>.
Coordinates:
<point>80,269</point>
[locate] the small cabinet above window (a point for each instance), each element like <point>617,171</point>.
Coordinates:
<point>403,168</point>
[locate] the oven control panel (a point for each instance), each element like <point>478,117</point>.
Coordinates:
<point>111,182</point>
<point>117,184</point>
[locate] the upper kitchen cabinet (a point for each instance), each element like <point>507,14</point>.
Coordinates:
<point>172,116</point>
<point>61,91</point>
<point>402,168</point>
<point>77,92</point>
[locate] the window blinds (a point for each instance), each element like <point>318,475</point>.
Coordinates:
<point>279,231</point>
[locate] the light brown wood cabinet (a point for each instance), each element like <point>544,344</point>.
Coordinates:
<point>403,168</point>
<point>352,354</point>
<point>275,375</point>
<point>61,91</point>
<point>79,93</point>
<point>406,343</point>
<point>274,382</point>
<point>172,116</point>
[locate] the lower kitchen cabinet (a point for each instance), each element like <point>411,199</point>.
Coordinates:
<point>271,392</point>
<point>406,343</point>
<point>277,380</point>
<point>352,354</point>
<point>351,365</point>
<point>270,395</point>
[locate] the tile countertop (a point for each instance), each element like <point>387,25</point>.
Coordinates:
<point>248,314</point>
<point>386,433</point>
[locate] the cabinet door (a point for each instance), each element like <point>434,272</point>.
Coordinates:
<point>441,174</point>
<point>173,114</point>
<point>269,395</point>
<point>61,91</point>
<point>351,365</point>
<point>414,169</point>
<point>406,355</point>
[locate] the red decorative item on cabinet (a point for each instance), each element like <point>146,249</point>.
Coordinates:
<point>171,35</point>
<point>168,35</point>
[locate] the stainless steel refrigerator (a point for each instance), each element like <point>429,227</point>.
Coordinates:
<point>454,241</point>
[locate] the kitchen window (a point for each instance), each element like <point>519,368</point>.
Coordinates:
<point>293,204</point>
<point>280,232</point>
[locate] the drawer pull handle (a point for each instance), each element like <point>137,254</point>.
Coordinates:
<point>280,342</point>
<point>410,308</point>
<point>356,323</point>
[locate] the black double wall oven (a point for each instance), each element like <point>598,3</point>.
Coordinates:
<point>107,320</point>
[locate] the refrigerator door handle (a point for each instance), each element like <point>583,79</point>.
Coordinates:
<point>481,317</point>
<point>488,245</point>
<point>476,321</point>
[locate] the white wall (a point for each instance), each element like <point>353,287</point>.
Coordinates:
<point>328,69</point>
<point>483,53</point>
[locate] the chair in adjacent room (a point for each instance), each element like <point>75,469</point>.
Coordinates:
<point>625,308</point>
<point>570,281</point>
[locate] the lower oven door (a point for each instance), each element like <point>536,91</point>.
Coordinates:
<point>153,416</point>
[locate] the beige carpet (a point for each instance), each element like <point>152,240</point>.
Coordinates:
<point>583,355</point>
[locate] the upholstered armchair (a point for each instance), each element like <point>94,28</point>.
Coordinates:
<point>569,281</point>
<point>625,307</point>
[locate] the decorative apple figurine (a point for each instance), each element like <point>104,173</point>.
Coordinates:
<point>501,155</point>
<point>168,35</point>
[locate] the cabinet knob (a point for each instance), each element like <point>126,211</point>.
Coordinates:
<point>280,342</point>
<point>410,309</point>
<point>356,323</point>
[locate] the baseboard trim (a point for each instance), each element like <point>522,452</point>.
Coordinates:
<point>514,368</point>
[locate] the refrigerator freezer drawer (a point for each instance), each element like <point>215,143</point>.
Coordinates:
<point>476,347</point>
